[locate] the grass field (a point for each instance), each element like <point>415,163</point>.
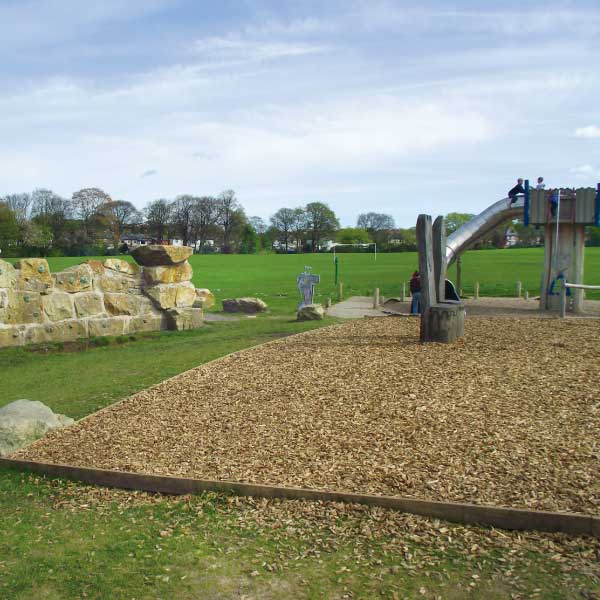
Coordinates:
<point>63,541</point>
<point>272,277</point>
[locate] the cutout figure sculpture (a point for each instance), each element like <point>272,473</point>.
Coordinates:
<point>306,286</point>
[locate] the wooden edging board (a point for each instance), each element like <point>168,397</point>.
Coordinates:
<point>502,517</point>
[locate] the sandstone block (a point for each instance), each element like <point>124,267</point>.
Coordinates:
<point>74,279</point>
<point>88,304</point>
<point>109,326</point>
<point>180,319</point>
<point>58,306</point>
<point>8,275</point>
<point>111,281</point>
<point>21,307</point>
<point>33,275</point>
<point>311,312</point>
<point>126,304</point>
<point>148,322</point>
<point>174,274</point>
<point>156,255</point>
<point>121,266</point>
<point>204,299</point>
<point>96,266</point>
<point>9,336</point>
<point>172,295</point>
<point>68,331</point>
<point>245,305</point>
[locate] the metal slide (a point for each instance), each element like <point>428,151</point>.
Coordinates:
<point>478,226</point>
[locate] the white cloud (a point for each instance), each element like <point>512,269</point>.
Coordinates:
<point>149,173</point>
<point>589,132</point>
<point>586,171</point>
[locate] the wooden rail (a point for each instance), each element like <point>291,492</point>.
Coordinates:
<point>495,516</point>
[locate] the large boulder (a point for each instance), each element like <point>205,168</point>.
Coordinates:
<point>250,306</point>
<point>126,304</point>
<point>33,275</point>
<point>24,421</point>
<point>74,279</point>
<point>173,274</point>
<point>204,299</point>
<point>8,275</point>
<point>89,304</point>
<point>172,295</point>
<point>156,255</point>
<point>311,312</point>
<point>121,266</point>
<point>21,307</point>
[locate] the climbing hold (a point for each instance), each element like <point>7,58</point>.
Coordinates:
<point>83,280</point>
<point>71,279</point>
<point>41,269</point>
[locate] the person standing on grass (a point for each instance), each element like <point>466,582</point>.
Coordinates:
<point>415,292</point>
<point>518,189</point>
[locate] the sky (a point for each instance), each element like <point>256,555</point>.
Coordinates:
<point>367,105</point>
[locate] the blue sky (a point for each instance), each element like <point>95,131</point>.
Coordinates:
<point>396,107</point>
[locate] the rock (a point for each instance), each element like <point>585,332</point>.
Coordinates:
<point>156,255</point>
<point>126,304</point>
<point>88,304</point>
<point>33,275</point>
<point>249,306</point>
<point>21,307</point>
<point>180,319</point>
<point>204,299</point>
<point>9,336</point>
<point>58,306</point>
<point>311,312</point>
<point>24,421</point>
<point>175,274</point>
<point>8,275</point>
<point>148,322</point>
<point>172,295</point>
<point>112,326</point>
<point>112,281</point>
<point>96,266</point>
<point>66,331</point>
<point>121,266</point>
<point>74,279</point>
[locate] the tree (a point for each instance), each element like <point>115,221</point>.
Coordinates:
<point>87,203</point>
<point>182,211</point>
<point>19,204</point>
<point>373,221</point>
<point>231,218</point>
<point>353,235</point>
<point>321,221</point>
<point>456,220</point>
<point>283,222</point>
<point>121,213</point>
<point>158,217</point>
<point>298,229</point>
<point>204,219</point>
<point>9,228</point>
<point>249,240</point>
<point>259,225</point>
<point>51,212</point>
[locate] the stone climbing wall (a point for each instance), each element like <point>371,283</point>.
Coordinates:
<point>95,298</point>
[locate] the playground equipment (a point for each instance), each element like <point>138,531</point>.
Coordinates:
<point>564,213</point>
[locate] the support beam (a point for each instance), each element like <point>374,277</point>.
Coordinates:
<point>439,257</point>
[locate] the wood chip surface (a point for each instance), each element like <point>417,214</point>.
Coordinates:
<point>509,415</point>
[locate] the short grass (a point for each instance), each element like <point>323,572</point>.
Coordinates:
<point>59,541</point>
<point>272,277</point>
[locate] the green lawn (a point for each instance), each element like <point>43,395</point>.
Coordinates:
<point>272,277</point>
<point>60,540</point>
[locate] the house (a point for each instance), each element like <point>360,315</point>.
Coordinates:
<point>133,240</point>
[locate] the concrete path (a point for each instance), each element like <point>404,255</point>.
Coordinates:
<point>355,307</point>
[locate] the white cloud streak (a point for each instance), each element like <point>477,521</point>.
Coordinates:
<point>590,132</point>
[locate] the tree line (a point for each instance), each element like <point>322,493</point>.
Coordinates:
<point>43,223</point>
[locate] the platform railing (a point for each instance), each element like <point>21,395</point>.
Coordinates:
<point>563,294</point>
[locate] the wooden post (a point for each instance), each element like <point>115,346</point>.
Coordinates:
<point>526,295</point>
<point>402,291</point>
<point>439,257</point>
<point>476,293</point>
<point>327,302</point>
<point>519,286</point>
<point>376,298</point>
<point>578,249</point>
<point>459,276</point>
<point>340,291</point>
<point>563,300</point>
<point>425,247</point>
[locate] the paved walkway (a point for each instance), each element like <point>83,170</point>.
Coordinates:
<point>355,307</point>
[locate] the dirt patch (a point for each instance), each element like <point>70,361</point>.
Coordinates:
<point>508,415</point>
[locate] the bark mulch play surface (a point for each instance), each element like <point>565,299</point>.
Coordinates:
<point>509,415</point>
